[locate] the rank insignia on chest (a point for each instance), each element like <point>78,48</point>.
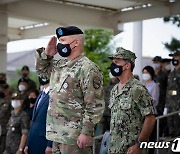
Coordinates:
<point>65,85</point>
<point>96,82</point>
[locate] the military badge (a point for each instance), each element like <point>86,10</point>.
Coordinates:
<point>65,85</point>
<point>60,32</point>
<point>96,82</point>
<point>64,50</point>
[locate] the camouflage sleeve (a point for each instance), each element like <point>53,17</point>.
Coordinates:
<point>94,100</point>
<point>143,100</point>
<point>44,63</point>
<point>25,123</point>
<point>5,108</point>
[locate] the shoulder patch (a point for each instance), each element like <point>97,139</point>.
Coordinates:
<point>96,82</point>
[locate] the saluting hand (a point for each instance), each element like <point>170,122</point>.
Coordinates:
<point>51,48</point>
<point>83,141</point>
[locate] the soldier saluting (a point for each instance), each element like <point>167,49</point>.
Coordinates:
<point>76,92</point>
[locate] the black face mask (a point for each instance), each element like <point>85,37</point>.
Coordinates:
<point>24,75</point>
<point>2,82</point>
<point>64,49</point>
<point>43,81</point>
<point>32,100</point>
<point>175,62</point>
<point>2,95</point>
<point>116,70</point>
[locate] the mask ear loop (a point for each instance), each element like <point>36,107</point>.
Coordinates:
<point>123,66</point>
<point>74,46</point>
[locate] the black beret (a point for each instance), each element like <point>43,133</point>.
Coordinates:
<point>166,60</point>
<point>157,59</point>
<point>70,30</point>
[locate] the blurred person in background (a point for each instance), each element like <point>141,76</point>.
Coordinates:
<point>5,113</point>
<point>32,100</point>
<point>37,142</point>
<point>25,75</point>
<point>17,127</point>
<point>166,65</point>
<point>153,89</point>
<point>173,96</point>
<point>161,79</point>
<point>23,88</point>
<point>2,78</point>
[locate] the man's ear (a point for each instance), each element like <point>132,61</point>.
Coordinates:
<point>128,66</point>
<point>77,42</point>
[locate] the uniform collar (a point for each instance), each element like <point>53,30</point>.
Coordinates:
<point>125,87</point>
<point>72,62</point>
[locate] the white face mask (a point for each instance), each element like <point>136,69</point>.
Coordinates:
<point>146,76</point>
<point>155,66</point>
<point>168,67</point>
<point>21,87</point>
<point>15,104</point>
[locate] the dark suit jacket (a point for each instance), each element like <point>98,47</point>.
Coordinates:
<point>37,141</point>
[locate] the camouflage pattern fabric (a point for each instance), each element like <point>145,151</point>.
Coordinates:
<point>76,97</point>
<point>173,101</point>
<point>128,110</point>
<point>5,113</point>
<point>18,124</point>
<point>70,149</point>
<point>124,54</point>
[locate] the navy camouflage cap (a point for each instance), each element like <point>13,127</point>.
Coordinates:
<point>124,54</point>
<point>177,53</point>
<point>66,31</point>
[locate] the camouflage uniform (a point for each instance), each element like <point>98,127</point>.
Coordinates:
<point>129,106</point>
<point>76,97</point>
<point>18,124</point>
<point>173,101</point>
<point>5,113</point>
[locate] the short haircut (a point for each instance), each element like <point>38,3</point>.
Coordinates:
<point>132,64</point>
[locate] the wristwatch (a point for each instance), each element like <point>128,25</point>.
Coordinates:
<point>138,143</point>
<point>20,149</point>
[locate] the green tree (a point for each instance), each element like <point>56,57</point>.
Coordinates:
<point>97,49</point>
<point>174,44</point>
<point>174,19</point>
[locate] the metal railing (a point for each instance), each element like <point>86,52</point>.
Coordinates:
<point>157,135</point>
<point>158,119</point>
